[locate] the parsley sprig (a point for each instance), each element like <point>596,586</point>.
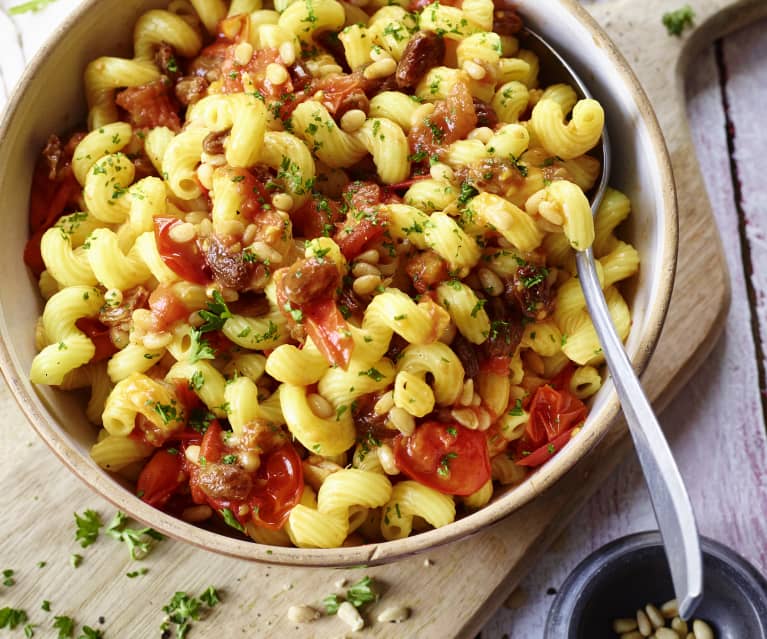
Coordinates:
<point>139,540</point>
<point>676,21</point>
<point>88,526</point>
<point>358,595</point>
<point>214,317</point>
<point>183,609</point>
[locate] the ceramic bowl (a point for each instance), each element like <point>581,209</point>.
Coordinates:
<point>50,99</point>
<point>623,576</point>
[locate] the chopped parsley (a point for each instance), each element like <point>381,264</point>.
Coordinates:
<point>230,519</point>
<point>517,410</point>
<point>88,526</point>
<point>452,430</point>
<point>46,605</point>
<point>372,373</point>
<point>331,604</point>
<point>467,192</point>
<point>675,21</point>
<point>137,573</point>
<point>90,633</point>
<point>196,381</point>
<point>76,560</point>
<point>444,464</point>
<point>201,348</point>
<point>172,65</point>
<point>229,459</point>
<point>167,412</point>
<point>533,280</point>
<point>8,579</point>
<point>478,307</point>
<point>210,597</point>
<point>199,419</point>
<point>139,540</point>
<point>183,609</point>
<point>296,313</point>
<point>358,595</point>
<point>215,315</point>
<point>65,625</point>
<point>12,617</point>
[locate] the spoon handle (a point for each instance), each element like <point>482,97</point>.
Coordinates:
<point>670,501</point>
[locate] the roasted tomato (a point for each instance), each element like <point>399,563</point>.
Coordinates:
<point>447,457</point>
<point>183,258</point>
<point>551,413</point>
<point>99,335</point>
<point>543,453</point>
<point>279,484</point>
<point>329,332</point>
<point>161,477</point>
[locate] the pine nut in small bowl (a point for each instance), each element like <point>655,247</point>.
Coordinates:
<point>623,590</point>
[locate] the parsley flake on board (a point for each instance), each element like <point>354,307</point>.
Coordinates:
<point>88,526</point>
<point>676,21</point>
<point>8,579</point>
<point>90,633</point>
<point>65,625</point>
<point>12,617</point>
<point>139,540</point>
<point>358,595</point>
<point>183,609</point>
<point>331,604</point>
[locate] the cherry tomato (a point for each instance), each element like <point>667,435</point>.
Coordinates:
<point>161,477</point>
<point>212,446</point>
<point>279,484</point>
<point>447,457</point>
<point>329,331</point>
<point>551,413</point>
<point>99,335</point>
<point>151,105</point>
<point>316,216</point>
<point>166,308</point>
<point>547,451</point>
<point>183,258</point>
<point>352,239</point>
<point>338,90</point>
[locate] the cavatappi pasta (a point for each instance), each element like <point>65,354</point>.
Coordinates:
<point>315,262</point>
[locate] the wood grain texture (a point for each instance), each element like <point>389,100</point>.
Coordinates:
<point>715,425</point>
<point>257,596</point>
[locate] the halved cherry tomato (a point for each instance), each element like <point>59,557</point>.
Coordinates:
<point>99,335</point>
<point>552,412</point>
<point>447,457</point>
<point>212,446</point>
<point>329,331</point>
<point>279,484</point>
<point>352,239</point>
<point>315,216</point>
<point>547,451</point>
<point>161,477</point>
<point>184,259</point>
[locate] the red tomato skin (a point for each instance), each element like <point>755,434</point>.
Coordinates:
<point>161,477</point>
<point>499,365</point>
<point>329,331</point>
<point>551,413</point>
<point>462,458</point>
<point>184,259</point>
<point>212,446</point>
<point>352,241</point>
<point>542,454</point>
<point>99,335</point>
<point>280,483</point>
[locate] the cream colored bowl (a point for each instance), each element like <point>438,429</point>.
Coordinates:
<point>50,99</point>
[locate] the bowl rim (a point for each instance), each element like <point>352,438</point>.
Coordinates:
<point>97,480</point>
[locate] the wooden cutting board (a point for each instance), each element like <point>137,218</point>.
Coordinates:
<point>464,582</point>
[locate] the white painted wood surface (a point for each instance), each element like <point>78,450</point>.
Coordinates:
<point>716,426</point>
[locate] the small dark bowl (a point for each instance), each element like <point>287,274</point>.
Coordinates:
<point>624,575</point>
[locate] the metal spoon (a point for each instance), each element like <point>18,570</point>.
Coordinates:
<point>670,501</point>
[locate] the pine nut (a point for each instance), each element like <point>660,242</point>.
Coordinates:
<point>243,510</point>
<point>643,623</point>
<point>653,614</point>
<point>205,175</point>
<point>249,234</point>
<point>197,514</point>
<point>320,406</point>
<point>249,460</point>
<point>302,614</point>
<point>214,160</point>
<point>491,283</point>
<point>624,625</point>
<point>551,213</point>
<point>665,633</point>
<point>363,268</point>
<point>287,53</point>
<point>690,636</point>
<point>467,394</point>
<point>113,297</point>
<point>484,419</point>
<point>393,614</point>
<point>265,252</point>
<point>353,120</point>
<point>380,69</point>
<point>702,630</point>
<point>384,404</point>
<point>680,626</point>
<point>402,420</point>
<point>631,635</point>
<point>276,73</point>
<point>349,615</point>
<point>192,453</point>
<point>670,609</point>
<point>182,233</point>
<point>243,52</point>
<point>442,173</point>
<point>475,71</point>
<point>282,201</point>
<point>371,256</point>
<point>386,457</point>
<point>229,294</point>
<point>195,217</point>
<point>483,134</point>
<point>466,417</point>
<point>366,284</point>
